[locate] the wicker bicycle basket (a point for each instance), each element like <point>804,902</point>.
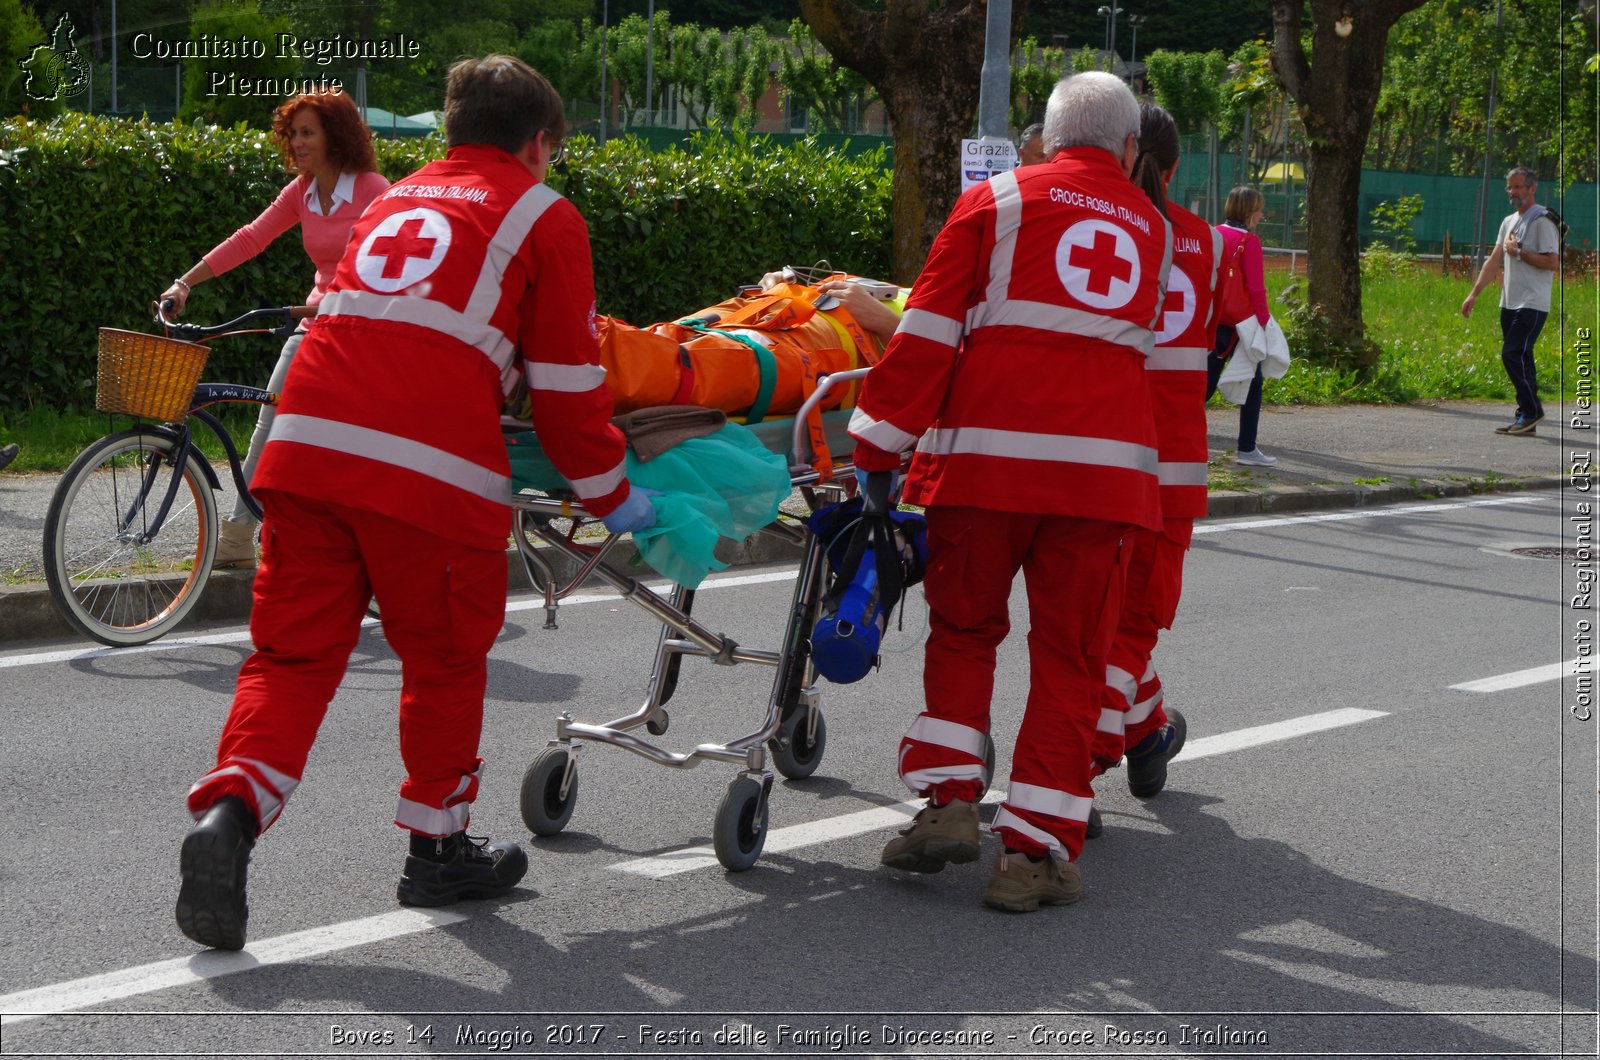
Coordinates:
<point>147,375</point>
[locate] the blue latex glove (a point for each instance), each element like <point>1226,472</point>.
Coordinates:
<point>877,489</point>
<point>634,514</point>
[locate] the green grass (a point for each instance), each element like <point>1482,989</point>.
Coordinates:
<point>49,440</point>
<point>1430,352</point>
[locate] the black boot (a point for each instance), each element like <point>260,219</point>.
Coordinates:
<point>1147,763</point>
<point>443,871</point>
<point>211,906</point>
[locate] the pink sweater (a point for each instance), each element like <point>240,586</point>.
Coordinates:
<point>1255,280</point>
<point>323,237</point>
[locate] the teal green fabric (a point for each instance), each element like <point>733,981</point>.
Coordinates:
<point>725,484</point>
<point>766,368</point>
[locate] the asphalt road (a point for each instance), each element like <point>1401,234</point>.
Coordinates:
<point>1353,855</point>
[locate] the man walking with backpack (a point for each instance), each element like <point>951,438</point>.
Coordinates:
<point>1526,255</point>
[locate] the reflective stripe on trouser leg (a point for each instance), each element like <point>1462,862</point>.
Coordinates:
<point>947,752</point>
<point>1163,587</point>
<point>443,604</point>
<point>973,557</point>
<point>1041,816</point>
<point>1074,577</point>
<point>310,594</point>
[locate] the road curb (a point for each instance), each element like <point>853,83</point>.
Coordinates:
<point>27,612</point>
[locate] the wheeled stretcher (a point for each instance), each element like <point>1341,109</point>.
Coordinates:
<point>791,736</point>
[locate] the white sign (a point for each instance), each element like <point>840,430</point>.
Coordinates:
<point>982,159</point>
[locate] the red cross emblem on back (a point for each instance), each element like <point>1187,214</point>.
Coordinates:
<point>1097,261</point>
<point>1101,262</point>
<point>403,249</point>
<point>407,243</point>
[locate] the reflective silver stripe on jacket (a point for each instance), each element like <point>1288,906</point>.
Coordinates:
<point>565,378</point>
<point>1007,220</point>
<point>1064,320</point>
<point>425,313</point>
<point>391,449</point>
<point>1178,359</point>
<point>881,433</point>
<point>931,326</point>
<point>1023,445</point>
<point>1191,474</point>
<point>503,247</point>
<point>601,484</point>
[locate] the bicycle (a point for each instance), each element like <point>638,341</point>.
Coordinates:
<point>132,527</point>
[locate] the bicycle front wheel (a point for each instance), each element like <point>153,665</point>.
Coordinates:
<point>115,573</point>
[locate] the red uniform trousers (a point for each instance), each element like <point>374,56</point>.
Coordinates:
<point>1072,568</point>
<point>443,604</point>
<point>1132,705</point>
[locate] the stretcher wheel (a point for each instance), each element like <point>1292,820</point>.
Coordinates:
<point>741,827</point>
<point>657,725</point>
<point>544,809</point>
<point>988,764</point>
<point>795,756</point>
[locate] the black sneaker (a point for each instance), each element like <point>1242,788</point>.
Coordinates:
<point>211,905</point>
<point>1094,826</point>
<point>1147,763</point>
<point>444,871</point>
<point>1525,424</point>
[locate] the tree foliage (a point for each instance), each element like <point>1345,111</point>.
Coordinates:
<point>1035,69</point>
<point>1188,85</point>
<point>232,89</point>
<point>813,81</point>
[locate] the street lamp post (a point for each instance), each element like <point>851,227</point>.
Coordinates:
<point>1105,38</point>
<point>1110,13</point>
<point>1134,20</point>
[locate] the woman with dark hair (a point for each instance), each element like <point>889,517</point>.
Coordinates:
<point>323,139</point>
<point>1243,211</point>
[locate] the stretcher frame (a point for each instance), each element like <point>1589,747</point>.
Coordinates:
<point>792,737</point>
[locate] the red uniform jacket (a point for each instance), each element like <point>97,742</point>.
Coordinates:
<point>1018,370</point>
<point>1178,364</point>
<point>458,278</point>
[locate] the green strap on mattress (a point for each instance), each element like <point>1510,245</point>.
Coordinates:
<point>766,366</point>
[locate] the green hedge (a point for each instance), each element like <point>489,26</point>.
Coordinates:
<point>98,214</point>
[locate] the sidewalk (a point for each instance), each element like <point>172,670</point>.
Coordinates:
<point>1328,457</point>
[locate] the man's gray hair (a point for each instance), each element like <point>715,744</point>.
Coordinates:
<point>1529,177</point>
<point>1036,129</point>
<point>1092,109</point>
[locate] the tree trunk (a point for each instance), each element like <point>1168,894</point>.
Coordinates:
<point>1336,94</point>
<point>924,60</point>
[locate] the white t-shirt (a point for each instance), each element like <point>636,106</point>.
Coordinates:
<point>1523,286</point>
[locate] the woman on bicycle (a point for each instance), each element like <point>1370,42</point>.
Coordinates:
<point>324,140</point>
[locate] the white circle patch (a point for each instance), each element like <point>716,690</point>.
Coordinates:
<point>403,249</point>
<point>1177,309</point>
<point>1098,264</point>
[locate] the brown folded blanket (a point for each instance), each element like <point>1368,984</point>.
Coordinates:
<point>653,431</point>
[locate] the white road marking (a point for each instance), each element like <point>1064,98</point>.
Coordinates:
<point>238,636</point>
<point>1518,678</point>
<point>1362,513</point>
<point>212,964</point>
<point>302,945</point>
<point>1257,735</point>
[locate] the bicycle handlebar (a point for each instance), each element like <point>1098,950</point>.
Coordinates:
<point>289,315</point>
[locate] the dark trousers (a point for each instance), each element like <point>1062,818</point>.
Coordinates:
<point>1250,411</point>
<point>1519,329</point>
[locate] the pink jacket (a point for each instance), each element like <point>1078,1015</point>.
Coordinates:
<point>1255,281</point>
<point>324,238</point>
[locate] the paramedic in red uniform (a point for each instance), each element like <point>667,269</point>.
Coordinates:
<point>1133,715</point>
<point>386,476</point>
<point>1018,374</point>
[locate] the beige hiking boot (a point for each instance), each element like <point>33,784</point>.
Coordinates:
<point>938,834</point>
<point>236,545</point>
<point>1021,885</point>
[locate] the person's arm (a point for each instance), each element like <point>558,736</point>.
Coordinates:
<point>1543,251</point>
<point>1255,277</point>
<point>282,215</point>
<point>874,314</point>
<point>904,392</point>
<point>570,403</point>
<point>1492,268</point>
